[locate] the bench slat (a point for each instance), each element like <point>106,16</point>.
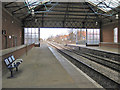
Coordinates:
<point>12,63</point>
<point>7,62</point>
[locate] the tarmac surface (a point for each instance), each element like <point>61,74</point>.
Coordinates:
<point>44,67</point>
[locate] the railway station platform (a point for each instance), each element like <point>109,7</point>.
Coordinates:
<point>44,67</point>
<point>103,48</point>
<point>105,52</point>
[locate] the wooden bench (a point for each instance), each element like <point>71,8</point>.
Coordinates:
<point>12,63</point>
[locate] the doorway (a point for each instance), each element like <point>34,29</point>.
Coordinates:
<point>14,41</point>
<point>5,42</point>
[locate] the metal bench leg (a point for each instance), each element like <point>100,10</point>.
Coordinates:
<point>16,68</point>
<point>11,73</point>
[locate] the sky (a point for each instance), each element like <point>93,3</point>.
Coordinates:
<point>48,32</point>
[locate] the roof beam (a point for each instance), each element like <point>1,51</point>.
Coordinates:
<point>92,9</point>
<point>54,19</point>
<point>62,18</point>
<point>67,14</point>
<point>8,4</point>
<point>81,7</point>
<point>12,6</point>
<point>61,11</point>
<point>18,9</point>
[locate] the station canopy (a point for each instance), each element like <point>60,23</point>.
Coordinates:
<point>105,5</point>
<point>48,10</point>
<point>34,3</point>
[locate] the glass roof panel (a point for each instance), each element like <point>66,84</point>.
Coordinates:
<point>106,5</point>
<point>34,3</point>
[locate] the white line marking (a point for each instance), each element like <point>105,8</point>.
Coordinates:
<point>89,78</point>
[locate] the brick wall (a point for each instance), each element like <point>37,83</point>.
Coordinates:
<point>16,54</point>
<point>113,45</point>
<point>108,32</point>
<point>13,28</point>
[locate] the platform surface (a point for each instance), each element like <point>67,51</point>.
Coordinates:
<point>103,48</point>
<point>43,67</point>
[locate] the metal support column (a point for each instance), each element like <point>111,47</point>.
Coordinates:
<point>39,35</point>
<point>101,31</point>
<point>22,38</point>
<point>86,37</point>
<point>119,29</point>
<point>77,37</point>
<point>42,19</point>
<point>63,24</point>
<point>118,32</point>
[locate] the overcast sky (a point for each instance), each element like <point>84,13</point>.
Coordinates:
<point>47,32</point>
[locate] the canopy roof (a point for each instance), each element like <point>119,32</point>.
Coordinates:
<point>90,10</point>
<point>34,3</point>
<point>106,5</point>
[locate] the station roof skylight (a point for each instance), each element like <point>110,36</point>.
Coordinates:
<point>34,3</point>
<point>106,5</point>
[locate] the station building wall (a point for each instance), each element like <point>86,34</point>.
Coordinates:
<point>108,34</point>
<point>13,28</point>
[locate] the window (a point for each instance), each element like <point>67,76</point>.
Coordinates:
<point>34,3</point>
<point>106,5</point>
<point>93,36</point>
<point>31,35</point>
<point>115,35</point>
<point>81,36</point>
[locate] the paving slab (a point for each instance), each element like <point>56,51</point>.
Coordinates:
<point>42,69</point>
<point>39,69</point>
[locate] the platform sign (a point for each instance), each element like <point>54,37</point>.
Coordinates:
<point>4,32</point>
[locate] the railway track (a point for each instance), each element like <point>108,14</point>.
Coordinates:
<point>104,71</point>
<point>103,61</point>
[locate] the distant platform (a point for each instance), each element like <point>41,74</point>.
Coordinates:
<point>105,52</point>
<point>103,48</point>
